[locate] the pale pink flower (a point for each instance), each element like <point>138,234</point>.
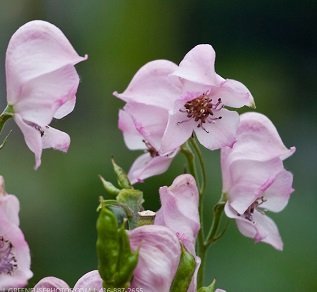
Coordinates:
<point>14,251</point>
<point>41,84</point>
<point>159,254</point>
<point>254,178</point>
<point>143,127</point>
<point>195,97</point>
<point>179,213</point>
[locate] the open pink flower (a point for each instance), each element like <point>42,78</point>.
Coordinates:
<point>254,178</point>
<point>14,251</point>
<point>41,84</point>
<point>143,127</point>
<point>195,97</point>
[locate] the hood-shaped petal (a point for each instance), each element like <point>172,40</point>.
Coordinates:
<point>152,85</point>
<point>52,284</point>
<point>179,211</point>
<point>159,254</point>
<point>35,49</point>
<point>90,281</point>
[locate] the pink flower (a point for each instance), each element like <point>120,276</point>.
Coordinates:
<point>179,213</point>
<point>91,281</point>
<point>143,127</point>
<point>41,84</point>
<point>159,254</point>
<point>254,178</point>
<point>14,251</point>
<point>194,96</point>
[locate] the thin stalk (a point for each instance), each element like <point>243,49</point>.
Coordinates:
<point>5,115</point>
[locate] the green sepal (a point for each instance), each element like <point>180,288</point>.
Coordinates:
<point>210,288</point>
<point>109,187</point>
<point>185,271</point>
<point>122,177</point>
<point>133,199</point>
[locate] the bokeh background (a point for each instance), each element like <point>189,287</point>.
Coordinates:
<point>269,45</point>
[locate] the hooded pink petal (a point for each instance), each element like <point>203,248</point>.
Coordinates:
<point>90,280</point>
<point>56,139</point>
<point>51,284</point>
<point>146,166</point>
<point>159,254</point>
<point>152,85</point>
<point>179,211</point>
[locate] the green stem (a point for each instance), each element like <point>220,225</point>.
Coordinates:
<point>5,115</point>
<point>186,150</point>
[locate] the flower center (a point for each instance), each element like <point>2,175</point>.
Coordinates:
<point>202,109</point>
<point>150,149</point>
<point>8,262</point>
<point>248,214</point>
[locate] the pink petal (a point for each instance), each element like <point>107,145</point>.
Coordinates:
<point>278,193</point>
<point>159,252</point>
<point>179,211</point>
<point>220,133</point>
<point>36,48</point>
<point>67,107</point>
<point>90,280</point>
<point>179,129</point>
<point>32,139</point>
<point>132,138</point>
<point>262,229</point>
<point>152,85</point>
<point>55,139</point>
<point>52,284</point>
<point>51,90</point>
<point>12,241</point>
<point>146,166</point>
<point>10,206</point>
<point>234,94</point>
<point>198,65</point>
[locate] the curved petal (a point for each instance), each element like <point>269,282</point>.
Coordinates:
<point>150,121</point>
<point>234,94</point>
<point>152,85</point>
<point>159,253</point>
<point>10,207</point>
<point>198,65</point>
<point>219,133</point>
<point>67,107</point>
<point>278,193</point>
<point>43,96</point>
<point>36,48</point>
<point>132,138</point>
<point>15,255</point>
<point>146,166</point>
<point>90,280</point>
<point>179,211</point>
<point>52,283</point>
<point>32,139</point>
<point>56,139</point>
<point>178,131</point>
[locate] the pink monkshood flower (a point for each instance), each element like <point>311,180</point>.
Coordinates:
<point>14,251</point>
<point>179,212</point>
<point>254,178</point>
<point>195,97</point>
<point>41,84</point>
<point>143,127</point>
<point>90,281</point>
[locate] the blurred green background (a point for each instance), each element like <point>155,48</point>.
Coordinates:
<point>270,46</point>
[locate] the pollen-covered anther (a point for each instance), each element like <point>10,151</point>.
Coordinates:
<point>150,149</point>
<point>8,262</point>
<point>201,109</point>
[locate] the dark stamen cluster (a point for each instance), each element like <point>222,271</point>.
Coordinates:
<point>8,262</point>
<point>201,109</point>
<point>248,214</point>
<point>150,149</point>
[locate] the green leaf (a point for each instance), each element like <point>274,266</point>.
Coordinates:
<point>210,288</point>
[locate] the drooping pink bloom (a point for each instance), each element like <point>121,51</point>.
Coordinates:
<point>41,84</point>
<point>52,284</point>
<point>159,254</point>
<point>14,251</point>
<point>254,178</point>
<point>194,96</point>
<point>179,213</point>
<point>143,127</point>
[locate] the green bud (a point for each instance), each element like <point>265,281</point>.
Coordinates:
<point>210,288</point>
<point>122,177</point>
<point>109,187</point>
<point>185,271</point>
